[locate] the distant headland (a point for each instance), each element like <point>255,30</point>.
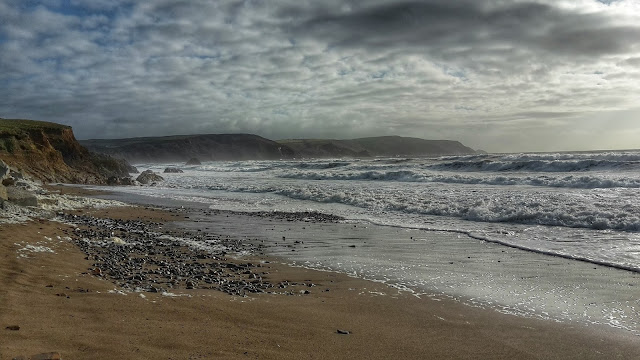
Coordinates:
<point>51,153</point>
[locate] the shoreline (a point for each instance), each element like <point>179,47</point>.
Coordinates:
<point>90,321</point>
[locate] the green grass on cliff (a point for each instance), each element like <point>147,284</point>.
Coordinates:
<point>17,126</point>
<point>12,130</point>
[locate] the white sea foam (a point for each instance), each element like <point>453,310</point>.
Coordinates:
<point>591,181</point>
<point>57,202</point>
<point>48,204</point>
<point>36,249</point>
<point>209,245</point>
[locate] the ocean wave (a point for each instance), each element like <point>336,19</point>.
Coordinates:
<point>617,156</point>
<point>512,208</point>
<point>568,181</point>
<point>321,165</point>
<point>535,165</point>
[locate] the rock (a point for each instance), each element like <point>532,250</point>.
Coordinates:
<point>114,180</point>
<point>173,170</point>
<point>21,197</point>
<point>149,176</point>
<point>116,240</point>
<point>4,170</point>
<point>9,181</point>
<point>193,161</point>
<point>13,327</point>
<point>128,181</point>
<point>342,332</point>
<point>45,356</point>
<point>17,175</point>
<point>3,194</point>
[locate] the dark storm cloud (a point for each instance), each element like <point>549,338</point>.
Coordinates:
<point>444,25</point>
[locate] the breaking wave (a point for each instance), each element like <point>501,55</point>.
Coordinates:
<point>568,181</point>
<point>536,165</point>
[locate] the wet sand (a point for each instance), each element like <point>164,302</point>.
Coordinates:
<point>59,305</point>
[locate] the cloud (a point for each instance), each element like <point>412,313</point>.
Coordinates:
<point>479,71</point>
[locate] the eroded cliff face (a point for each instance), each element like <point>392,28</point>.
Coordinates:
<point>51,153</point>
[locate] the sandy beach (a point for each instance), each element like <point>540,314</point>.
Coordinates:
<point>49,291</point>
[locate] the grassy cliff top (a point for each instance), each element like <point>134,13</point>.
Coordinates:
<point>14,126</point>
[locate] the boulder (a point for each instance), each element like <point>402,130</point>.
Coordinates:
<point>128,181</point>
<point>17,175</point>
<point>8,181</point>
<point>194,161</point>
<point>148,176</point>
<point>21,197</point>
<point>4,170</point>
<point>173,170</point>
<point>3,194</point>
<point>115,180</point>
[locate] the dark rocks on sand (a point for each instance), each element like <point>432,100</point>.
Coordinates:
<point>114,180</point>
<point>173,170</point>
<point>148,176</point>
<point>152,262</point>
<point>13,327</point>
<point>193,161</point>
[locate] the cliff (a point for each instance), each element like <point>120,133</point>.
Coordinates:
<point>375,146</point>
<point>252,147</point>
<point>184,147</point>
<point>50,152</point>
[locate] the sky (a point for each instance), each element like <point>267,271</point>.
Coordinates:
<point>497,75</point>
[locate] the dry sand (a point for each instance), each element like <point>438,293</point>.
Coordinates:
<point>60,307</point>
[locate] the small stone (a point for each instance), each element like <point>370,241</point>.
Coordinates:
<point>47,356</point>
<point>13,327</point>
<point>343,332</point>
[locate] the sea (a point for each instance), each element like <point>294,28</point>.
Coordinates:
<point>544,235</point>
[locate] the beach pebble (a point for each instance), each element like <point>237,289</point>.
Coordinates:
<point>13,327</point>
<point>118,241</point>
<point>42,356</point>
<point>343,332</point>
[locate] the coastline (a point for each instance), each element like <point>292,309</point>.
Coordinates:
<point>79,317</point>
